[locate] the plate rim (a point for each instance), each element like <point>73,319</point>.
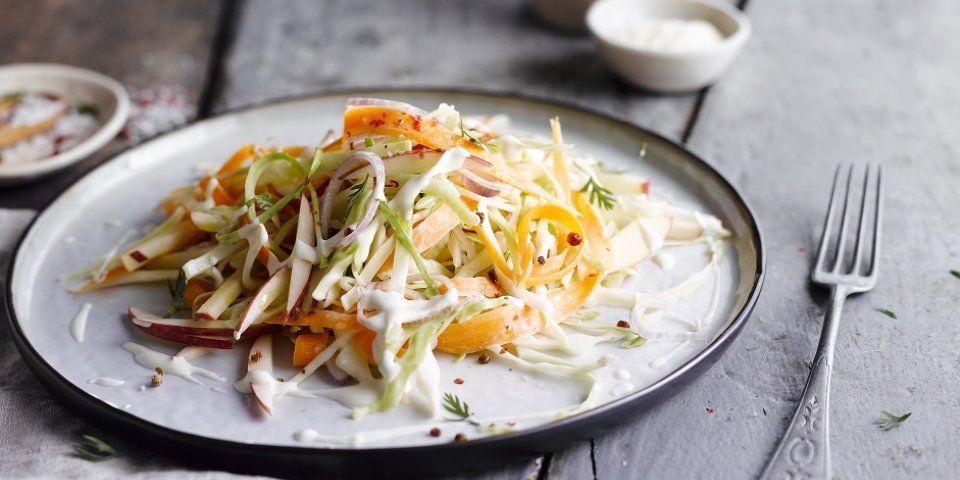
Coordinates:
<point>127,424</point>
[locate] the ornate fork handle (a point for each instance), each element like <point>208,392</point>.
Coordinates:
<point>804,451</point>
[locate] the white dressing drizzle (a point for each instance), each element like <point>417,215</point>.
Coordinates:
<point>171,365</point>
<point>393,311</point>
<point>79,324</point>
<point>106,381</point>
<point>622,389</point>
<point>664,260</point>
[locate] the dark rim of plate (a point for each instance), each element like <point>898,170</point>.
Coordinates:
<point>121,420</point>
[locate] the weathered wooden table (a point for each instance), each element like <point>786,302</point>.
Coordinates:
<point>821,82</point>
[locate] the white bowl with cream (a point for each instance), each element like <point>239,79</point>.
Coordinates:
<point>668,45</point>
<point>77,86</point>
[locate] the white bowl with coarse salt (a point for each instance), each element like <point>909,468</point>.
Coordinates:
<point>668,45</point>
<point>52,116</point>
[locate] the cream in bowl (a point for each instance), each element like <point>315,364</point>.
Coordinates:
<point>668,45</point>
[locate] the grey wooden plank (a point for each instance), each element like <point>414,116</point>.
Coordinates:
<point>574,463</point>
<point>493,45</point>
<point>821,83</point>
<point>141,44</point>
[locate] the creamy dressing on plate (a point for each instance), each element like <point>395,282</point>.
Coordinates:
<point>171,365</point>
<point>79,324</point>
<point>106,381</point>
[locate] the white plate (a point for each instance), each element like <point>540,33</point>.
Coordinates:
<point>93,215</point>
<point>78,86</point>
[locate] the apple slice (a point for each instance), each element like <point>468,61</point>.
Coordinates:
<point>221,298</point>
<point>624,184</point>
<point>301,268</point>
<point>120,276</point>
<point>631,246</point>
<point>177,238</point>
<point>684,227</point>
<point>205,333</point>
<point>260,372</point>
<point>268,293</point>
<point>175,260</point>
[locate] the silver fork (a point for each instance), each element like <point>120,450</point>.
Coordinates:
<point>804,451</point>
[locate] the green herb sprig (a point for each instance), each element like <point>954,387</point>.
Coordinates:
<point>955,273</point>
<point>454,405</point>
<point>263,201</point>
<point>89,109</point>
<point>599,196</point>
<point>355,192</point>
<point>177,302</point>
<point>93,449</point>
<point>889,421</point>
<point>887,312</point>
<point>473,139</point>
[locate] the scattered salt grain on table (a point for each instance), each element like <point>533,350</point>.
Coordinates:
<point>155,111</point>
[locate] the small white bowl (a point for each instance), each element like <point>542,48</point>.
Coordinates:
<point>78,86</point>
<point>564,14</point>
<point>665,71</point>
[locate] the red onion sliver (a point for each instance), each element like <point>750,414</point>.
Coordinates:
<point>478,185</point>
<point>379,179</point>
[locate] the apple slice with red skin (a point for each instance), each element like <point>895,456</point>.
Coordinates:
<point>260,365</point>
<point>300,269</point>
<point>207,333</point>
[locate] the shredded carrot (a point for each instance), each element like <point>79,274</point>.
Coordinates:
<point>195,287</point>
<point>293,151</point>
<point>331,319</point>
<point>380,120</point>
<point>508,323</point>
<point>220,196</point>
<point>236,161</point>
<point>307,346</point>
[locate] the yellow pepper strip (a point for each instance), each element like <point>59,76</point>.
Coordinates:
<point>597,240</point>
<point>559,162</point>
<point>560,216</point>
<point>550,265</point>
<point>499,263</point>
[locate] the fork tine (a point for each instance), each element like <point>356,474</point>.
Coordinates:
<point>875,255</point>
<point>861,229</point>
<point>831,211</point>
<point>843,223</point>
